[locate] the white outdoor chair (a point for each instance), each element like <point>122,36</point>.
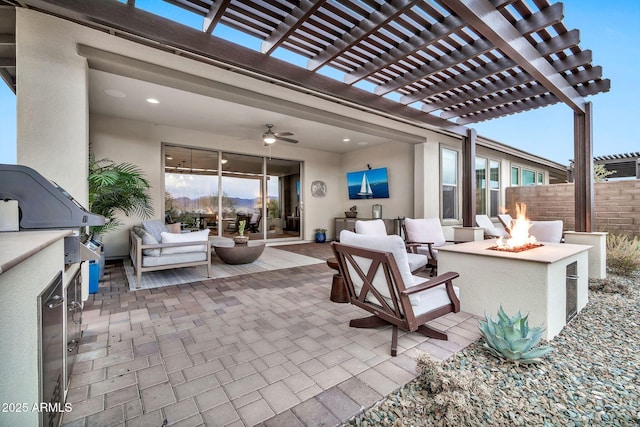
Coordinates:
<point>376,227</point>
<point>424,236</point>
<point>376,273</point>
<point>547,231</point>
<point>490,229</point>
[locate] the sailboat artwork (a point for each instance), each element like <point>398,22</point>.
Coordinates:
<point>368,184</point>
<point>365,187</point>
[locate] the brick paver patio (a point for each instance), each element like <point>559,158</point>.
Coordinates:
<point>267,348</point>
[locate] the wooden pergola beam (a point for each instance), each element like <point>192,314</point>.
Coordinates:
<point>214,15</point>
<point>489,22</point>
<point>535,22</point>
<point>468,178</point>
<point>388,12</point>
<point>583,169</point>
<point>290,24</point>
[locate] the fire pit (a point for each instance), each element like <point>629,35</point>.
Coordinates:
<point>549,282</point>
<point>520,239</point>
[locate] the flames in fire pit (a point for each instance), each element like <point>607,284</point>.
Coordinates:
<point>520,239</point>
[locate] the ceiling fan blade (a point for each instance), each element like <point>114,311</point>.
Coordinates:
<point>292,141</point>
<point>284,134</point>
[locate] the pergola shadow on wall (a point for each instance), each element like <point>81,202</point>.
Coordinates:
<point>438,64</point>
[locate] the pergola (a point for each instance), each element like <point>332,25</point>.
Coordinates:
<point>441,64</point>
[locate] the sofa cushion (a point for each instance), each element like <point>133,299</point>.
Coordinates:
<point>196,236</point>
<point>148,239</point>
<point>155,227</point>
<point>155,261</point>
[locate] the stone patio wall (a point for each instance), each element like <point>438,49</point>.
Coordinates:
<point>617,205</point>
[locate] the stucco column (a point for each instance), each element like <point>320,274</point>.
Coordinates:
<point>426,202</point>
<point>52,103</point>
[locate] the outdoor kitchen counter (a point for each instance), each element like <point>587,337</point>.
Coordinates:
<point>17,246</point>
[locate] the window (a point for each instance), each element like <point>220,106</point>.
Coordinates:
<point>481,185</point>
<point>540,178</point>
<point>487,190</point>
<point>515,176</point>
<point>494,188</point>
<point>449,163</point>
<point>528,177</point>
<point>216,190</point>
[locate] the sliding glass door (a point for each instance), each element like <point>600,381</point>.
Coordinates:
<point>217,190</point>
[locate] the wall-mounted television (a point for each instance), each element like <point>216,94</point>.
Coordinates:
<point>368,184</point>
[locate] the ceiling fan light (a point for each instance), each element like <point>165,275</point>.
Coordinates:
<point>269,137</point>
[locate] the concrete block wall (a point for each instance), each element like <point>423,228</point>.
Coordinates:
<point>616,203</point>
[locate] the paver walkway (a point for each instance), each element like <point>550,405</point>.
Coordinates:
<point>266,348</point>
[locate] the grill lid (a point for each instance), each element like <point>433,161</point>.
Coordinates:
<point>42,203</point>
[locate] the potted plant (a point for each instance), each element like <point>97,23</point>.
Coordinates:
<point>241,239</point>
<point>116,187</point>
<point>321,235</point>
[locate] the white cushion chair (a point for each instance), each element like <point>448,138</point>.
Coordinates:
<point>425,235</point>
<point>547,231</point>
<point>490,229</point>
<point>376,227</point>
<point>376,273</point>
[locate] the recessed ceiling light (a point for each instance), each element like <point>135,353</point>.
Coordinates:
<point>153,101</point>
<point>169,158</point>
<point>115,93</point>
<point>224,161</point>
<point>345,140</point>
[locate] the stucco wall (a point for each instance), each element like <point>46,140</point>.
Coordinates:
<point>616,203</point>
<point>397,157</point>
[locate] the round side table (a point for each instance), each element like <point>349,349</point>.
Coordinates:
<point>338,290</point>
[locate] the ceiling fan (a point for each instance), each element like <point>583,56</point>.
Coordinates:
<point>269,137</point>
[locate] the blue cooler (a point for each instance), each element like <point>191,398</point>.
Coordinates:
<point>94,275</point>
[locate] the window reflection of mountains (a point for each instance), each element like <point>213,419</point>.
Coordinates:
<point>207,204</point>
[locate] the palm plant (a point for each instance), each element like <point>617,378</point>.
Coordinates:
<point>117,187</point>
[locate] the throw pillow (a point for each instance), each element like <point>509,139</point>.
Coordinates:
<point>155,227</point>
<point>196,236</point>
<point>148,239</point>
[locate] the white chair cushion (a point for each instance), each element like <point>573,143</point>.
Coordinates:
<point>547,231</point>
<point>425,230</point>
<point>196,236</point>
<point>416,261</point>
<point>148,239</point>
<point>387,243</point>
<point>433,298</point>
<point>373,227</point>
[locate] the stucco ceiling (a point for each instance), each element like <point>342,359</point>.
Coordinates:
<point>230,120</point>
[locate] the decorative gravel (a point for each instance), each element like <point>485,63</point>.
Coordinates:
<point>591,378</point>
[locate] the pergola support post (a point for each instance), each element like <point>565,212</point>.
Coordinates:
<point>583,171</point>
<point>468,181</point>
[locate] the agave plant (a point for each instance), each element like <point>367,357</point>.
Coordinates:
<point>510,338</point>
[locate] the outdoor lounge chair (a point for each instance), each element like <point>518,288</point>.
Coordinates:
<point>376,227</point>
<point>424,236</point>
<point>380,282</point>
<point>490,229</point>
<point>254,223</point>
<point>506,221</point>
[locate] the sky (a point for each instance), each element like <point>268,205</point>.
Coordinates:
<point>610,29</point>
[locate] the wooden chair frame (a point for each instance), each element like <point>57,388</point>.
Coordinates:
<point>399,313</point>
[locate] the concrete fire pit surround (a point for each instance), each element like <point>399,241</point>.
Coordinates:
<point>532,281</point>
